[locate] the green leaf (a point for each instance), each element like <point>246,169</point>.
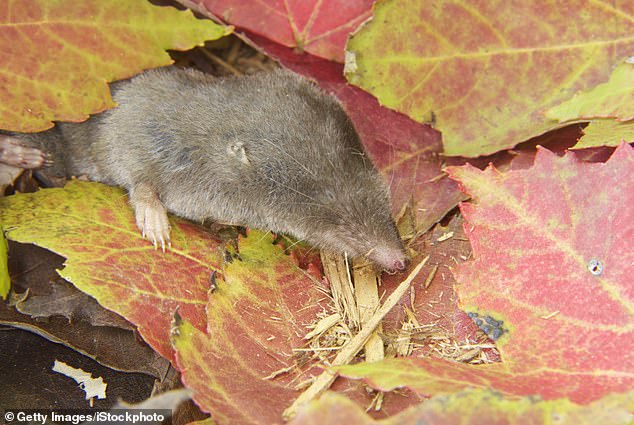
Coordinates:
<point>473,407</point>
<point>606,133</point>
<point>614,99</point>
<point>5,280</point>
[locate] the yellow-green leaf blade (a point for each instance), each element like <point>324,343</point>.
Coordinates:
<point>473,406</point>
<point>5,280</point>
<point>485,72</point>
<point>606,133</point>
<point>94,228</point>
<point>613,99</point>
<point>57,55</point>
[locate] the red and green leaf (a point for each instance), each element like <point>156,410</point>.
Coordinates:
<point>484,72</point>
<point>242,368</point>
<point>473,407</point>
<point>93,227</point>
<point>552,261</point>
<point>535,236</point>
<point>59,55</point>
<point>612,99</point>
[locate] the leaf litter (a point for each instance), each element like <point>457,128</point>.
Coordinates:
<point>446,346</point>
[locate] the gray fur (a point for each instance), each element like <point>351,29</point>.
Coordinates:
<point>269,151</point>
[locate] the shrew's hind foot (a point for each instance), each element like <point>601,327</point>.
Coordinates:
<point>13,152</point>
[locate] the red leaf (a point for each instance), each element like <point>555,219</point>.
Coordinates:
<point>534,234</point>
<point>319,27</point>
<point>552,221</point>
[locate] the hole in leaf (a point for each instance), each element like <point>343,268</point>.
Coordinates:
<point>595,266</point>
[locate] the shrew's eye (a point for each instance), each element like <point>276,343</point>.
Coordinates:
<point>328,196</point>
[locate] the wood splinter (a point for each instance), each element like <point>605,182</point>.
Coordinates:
<point>347,353</point>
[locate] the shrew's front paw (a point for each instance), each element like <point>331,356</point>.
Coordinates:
<point>151,216</point>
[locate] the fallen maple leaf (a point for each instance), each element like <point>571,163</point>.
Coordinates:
<point>483,72</point>
<point>58,55</point>
<point>553,239</point>
<point>474,407</point>
<point>257,316</point>
<point>553,261</point>
<point>606,133</point>
<point>319,27</point>
<point>243,366</point>
<point>613,99</point>
<point>565,253</point>
<point>94,228</point>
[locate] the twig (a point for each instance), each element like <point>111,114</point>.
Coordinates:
<point>336,270</point>
<point>367,294</point>
<point>220,62</point>
<point>431,276</point>
<point>347,353</point>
